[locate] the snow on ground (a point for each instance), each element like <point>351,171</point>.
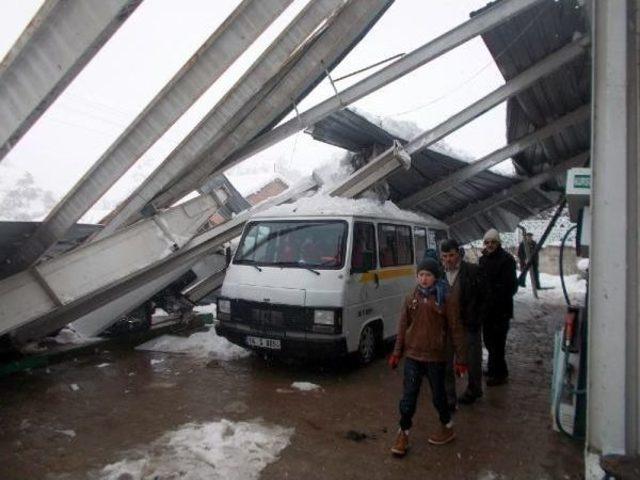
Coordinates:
<point>199,344</point>
<point>575,284</point>
<point>222,450</point>
<point>305,386</point>
<point>325,205</point>
<point>583,264</point>
<point>66,336</point>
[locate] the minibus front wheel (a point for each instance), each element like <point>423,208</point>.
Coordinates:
<point>368,345</point>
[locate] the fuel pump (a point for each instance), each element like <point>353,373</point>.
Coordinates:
<point>570,352</point>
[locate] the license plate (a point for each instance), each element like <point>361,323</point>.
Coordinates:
<point>264,343</point>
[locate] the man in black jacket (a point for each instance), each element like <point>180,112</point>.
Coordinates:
<point>500,284</point>
<point>464,299</point>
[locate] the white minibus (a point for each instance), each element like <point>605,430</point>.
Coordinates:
<point>323,281</point>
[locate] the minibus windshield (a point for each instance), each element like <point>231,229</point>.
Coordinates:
<point>297,244</point>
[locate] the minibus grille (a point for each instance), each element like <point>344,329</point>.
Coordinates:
<point>267,316</point>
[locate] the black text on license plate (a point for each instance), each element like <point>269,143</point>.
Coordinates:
<point>270,343</point>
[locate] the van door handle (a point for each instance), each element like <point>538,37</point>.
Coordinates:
<point>376,279</point>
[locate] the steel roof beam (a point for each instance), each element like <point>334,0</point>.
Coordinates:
<point>577,116</point>
<point>56,282</point>
<point>85,280</point>
<point>218,121</point>
<point>364,178</point>
<point>59,41</point>
<point>479,24</point>
<point>518,189</point>
<point>345,29</point>
<point>214,57</point>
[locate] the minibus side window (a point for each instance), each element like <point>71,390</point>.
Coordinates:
<point>395,245</point>
<point>363,253</point>
<point>420,234</point>
<point>440,236</point>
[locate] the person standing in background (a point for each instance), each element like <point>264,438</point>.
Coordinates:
<point>528,243</point>
<point>499,285</point>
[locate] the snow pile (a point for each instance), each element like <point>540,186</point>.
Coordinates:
<point>218,450</point>
<point>305,386</point>
<point>583,264</point>
<point>331,174</point>
<point>66,336</point>
<point>408,130</point>
<point>199,344</point>
<point>575,284</point>
<point>210,308</point>
<point>325,205</point>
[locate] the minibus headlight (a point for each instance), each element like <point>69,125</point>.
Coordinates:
<point>224,306</point>
<point>324,317</point>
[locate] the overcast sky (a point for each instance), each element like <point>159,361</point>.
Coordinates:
<point>162,34</point>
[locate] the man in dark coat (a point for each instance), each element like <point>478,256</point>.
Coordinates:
<point>500,284</point>
<point>464,299</point>
<point>528,243</point>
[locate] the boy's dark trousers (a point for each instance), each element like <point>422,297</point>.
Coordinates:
<point>414,371</point>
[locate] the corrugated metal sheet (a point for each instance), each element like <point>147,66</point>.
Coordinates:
<point>523,41</point>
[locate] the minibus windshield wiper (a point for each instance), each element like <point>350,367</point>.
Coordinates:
<point>310,269</point>
<point>256,267</point>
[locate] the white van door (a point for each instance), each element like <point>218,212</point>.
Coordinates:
<point>362,299</point>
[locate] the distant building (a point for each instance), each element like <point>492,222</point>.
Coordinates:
<point>271,189</point>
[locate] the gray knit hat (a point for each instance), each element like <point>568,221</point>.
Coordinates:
<point>430,265</point>
<point>492,234</point>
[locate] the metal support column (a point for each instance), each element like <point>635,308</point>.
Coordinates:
<point>613,374</point>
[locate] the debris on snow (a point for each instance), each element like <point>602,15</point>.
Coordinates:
<point>217,450</point>
<point>305,386</point>
<point>199,344</point>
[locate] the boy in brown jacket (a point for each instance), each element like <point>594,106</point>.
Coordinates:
<point>422,336</point>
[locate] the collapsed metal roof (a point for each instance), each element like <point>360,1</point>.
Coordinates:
<point>500,201</point>
<point>523,41</point>
<point>353,132</point>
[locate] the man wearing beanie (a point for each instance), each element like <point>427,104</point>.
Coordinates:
<point>423,331</point>
<point>500,284</point>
